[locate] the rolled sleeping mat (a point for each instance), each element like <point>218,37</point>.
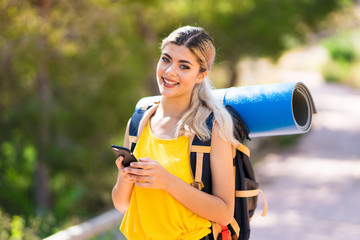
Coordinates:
<point>267,110</point>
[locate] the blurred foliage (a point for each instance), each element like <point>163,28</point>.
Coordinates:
<point>14,228</point>
<point>72,71</point>
<point>286,140</point>
<point>344,64</point>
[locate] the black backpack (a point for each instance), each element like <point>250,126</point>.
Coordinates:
<point>246,187</point>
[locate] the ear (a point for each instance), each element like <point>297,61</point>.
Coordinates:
<point>201,77</point>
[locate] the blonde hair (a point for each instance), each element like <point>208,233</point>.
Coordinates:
<point>202,101</point>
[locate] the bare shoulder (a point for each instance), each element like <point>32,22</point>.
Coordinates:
<point>217,139</point>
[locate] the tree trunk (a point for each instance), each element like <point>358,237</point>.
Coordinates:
<point>42,189</point>
<point>150,36</point>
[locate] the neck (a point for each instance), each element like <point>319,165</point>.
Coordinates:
<point>171,107</point>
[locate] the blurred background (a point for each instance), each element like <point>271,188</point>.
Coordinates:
<point>71,73</point>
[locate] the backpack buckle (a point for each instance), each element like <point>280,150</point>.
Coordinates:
<point>197,185</point>
<point>225,233</point>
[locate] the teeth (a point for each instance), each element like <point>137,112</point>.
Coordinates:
<point>170,83</point>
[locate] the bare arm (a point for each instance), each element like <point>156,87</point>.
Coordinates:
<point>122,190</point>
<point>218,207</point>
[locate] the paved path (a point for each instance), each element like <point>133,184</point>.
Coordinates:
<point>313,189</point>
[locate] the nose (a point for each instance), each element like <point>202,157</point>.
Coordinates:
<point>171,71</point>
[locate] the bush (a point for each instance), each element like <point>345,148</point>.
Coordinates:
<point>17,228</point>
<point>345,58</point>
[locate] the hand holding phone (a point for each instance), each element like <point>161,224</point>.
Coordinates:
<point>126,153</point>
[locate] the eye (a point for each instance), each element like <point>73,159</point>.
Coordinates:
<point>185,67</point>
<point>165,59</point>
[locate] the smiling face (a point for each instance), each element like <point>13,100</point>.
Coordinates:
<point>178,70</point>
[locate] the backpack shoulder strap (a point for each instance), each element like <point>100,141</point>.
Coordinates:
<point>200,160</point>
<point>138,122</point>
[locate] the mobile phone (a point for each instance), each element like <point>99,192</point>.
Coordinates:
<point>126,153</point>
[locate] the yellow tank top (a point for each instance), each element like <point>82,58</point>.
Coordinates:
<point>154,214</point>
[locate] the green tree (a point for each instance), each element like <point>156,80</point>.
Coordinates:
<point>70,75</point>
<point>254,28</point>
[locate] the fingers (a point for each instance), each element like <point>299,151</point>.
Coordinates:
<point>139,173</point>
<point>146,173</point>
<point>146,159</point>
<point>127,176</point>
<point>142,169</point>
<point>136,178</point>
<point>124,175</point>
<point>144,163</point>
<point>140,178</point>
<point>118,162</point>
<point>132,174</point>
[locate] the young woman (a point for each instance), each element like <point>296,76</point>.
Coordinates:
<point>155,192</point>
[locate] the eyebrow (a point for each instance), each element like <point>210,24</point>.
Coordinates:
<point>182,61</point>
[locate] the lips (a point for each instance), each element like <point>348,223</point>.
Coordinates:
<point>169,83</point>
